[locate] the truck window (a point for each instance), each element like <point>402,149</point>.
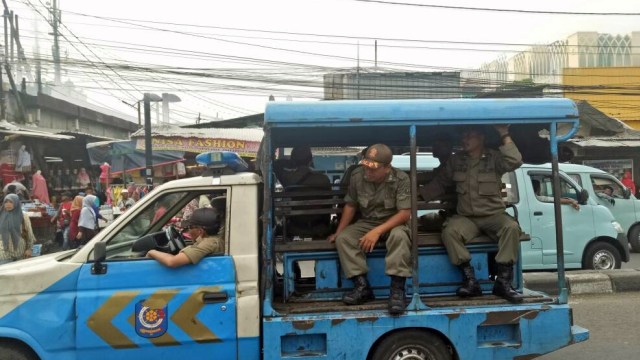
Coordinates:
<point>510,188</point>
<point>157,216</point>
<point>543,188</point>
<point>152,218</point>
<point>576,178</point>
<point>607,186</point>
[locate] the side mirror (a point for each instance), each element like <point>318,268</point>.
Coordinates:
<point>583,196</point>
<point>99,256</point>
<point>626,193</point>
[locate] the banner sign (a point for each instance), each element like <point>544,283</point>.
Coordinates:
<point>200,145</point>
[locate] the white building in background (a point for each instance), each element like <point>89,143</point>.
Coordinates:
<point>544,63</point>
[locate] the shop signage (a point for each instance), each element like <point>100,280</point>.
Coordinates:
<point>198,145</point>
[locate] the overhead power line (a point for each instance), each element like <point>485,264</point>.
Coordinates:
<point>544,12</point>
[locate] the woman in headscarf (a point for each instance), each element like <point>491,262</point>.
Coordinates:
<point>76,206</point>
<point>87,223</point>
<point>15,231</point>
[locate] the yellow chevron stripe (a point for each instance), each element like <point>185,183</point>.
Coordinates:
<point>100,321</point>
<point>185,317</point>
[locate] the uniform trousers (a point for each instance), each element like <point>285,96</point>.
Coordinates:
<point>458,230</point>
<point>354,260</point>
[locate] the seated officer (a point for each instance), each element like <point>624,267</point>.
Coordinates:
<point>203,226</point>
<point>297,174</point>
<point>381,193</point>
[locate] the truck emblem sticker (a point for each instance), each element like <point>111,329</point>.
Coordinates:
<point>151,319</point>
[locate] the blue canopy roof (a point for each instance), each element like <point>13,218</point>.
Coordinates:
<point>419,112</point>
<point>366,122</point>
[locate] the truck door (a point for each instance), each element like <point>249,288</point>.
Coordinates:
<point>577,225</point>
<point>140,309</point>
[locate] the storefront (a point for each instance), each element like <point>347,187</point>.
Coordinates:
<point>245,142</point>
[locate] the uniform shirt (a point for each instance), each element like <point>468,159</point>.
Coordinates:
<point>203,247</point>
<point>25,243</point>
<point>478,182</point>
<point>381,201</point>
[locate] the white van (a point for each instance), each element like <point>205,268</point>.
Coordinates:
<point>622,204</point>
<point>593,239</point>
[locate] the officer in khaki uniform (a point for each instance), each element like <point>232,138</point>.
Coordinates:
<point>381,193</point>
<point>203,224</point>
<point>476,173</point>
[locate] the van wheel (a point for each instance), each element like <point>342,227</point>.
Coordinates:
<point>602,256</point>
<point>412,344</point>
<point>16,351</point>
<point>634,239</point>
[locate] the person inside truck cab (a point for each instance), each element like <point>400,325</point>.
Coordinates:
<point>203,225</point>
<point>606,192</point>
<point>476,173</point>
<point>543,198</point>
<point>381,193</point>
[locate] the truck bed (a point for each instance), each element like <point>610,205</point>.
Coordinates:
<point>303,306</point>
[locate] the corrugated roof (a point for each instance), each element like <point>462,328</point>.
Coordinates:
<point>15,130</point>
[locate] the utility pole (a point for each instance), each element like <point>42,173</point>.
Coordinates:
<point>8,20</point>
<point>358,74</point>
<point>6,55</point>
<point>55,20</point>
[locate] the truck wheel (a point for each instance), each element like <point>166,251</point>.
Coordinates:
<point>602,256</point>
<point>412,344</point>
<point>634,239</point>
<point>12,351</point>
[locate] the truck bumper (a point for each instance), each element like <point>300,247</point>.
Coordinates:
<point>579,334</point>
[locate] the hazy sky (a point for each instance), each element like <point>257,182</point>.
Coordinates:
<point>224,58</point>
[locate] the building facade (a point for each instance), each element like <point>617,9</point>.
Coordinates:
<point>365,84</point>
<point>546,63</point>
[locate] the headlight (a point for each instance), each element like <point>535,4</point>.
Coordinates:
<point>617,227</point>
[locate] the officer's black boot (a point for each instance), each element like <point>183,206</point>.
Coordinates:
<point>397,302</point>
<point>502,286</point>
<point>361,292</point>
<point>470,286</point>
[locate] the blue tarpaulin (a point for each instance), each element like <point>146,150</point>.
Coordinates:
<point>123,155</point>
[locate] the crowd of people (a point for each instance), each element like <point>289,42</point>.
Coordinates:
<point>75,221</point>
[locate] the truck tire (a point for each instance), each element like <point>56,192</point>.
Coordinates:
<point>16,351</point>
<point>602,256</point>
<point>634,239</point>
<point>412,344</point>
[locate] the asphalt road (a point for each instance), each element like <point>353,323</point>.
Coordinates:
<point>634,262</point>
<point>613,322</point>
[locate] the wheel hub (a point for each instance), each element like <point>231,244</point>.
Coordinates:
<point>603,260</point>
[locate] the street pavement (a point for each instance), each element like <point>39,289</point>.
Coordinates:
<point>580,282</point>
<point>612,320</point>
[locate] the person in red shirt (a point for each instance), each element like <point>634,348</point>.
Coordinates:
<point>63,219</point>
<point>76,207</point>
<point>627,181</point>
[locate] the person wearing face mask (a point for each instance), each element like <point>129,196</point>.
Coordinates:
<point>380,193</point>
<point>203,225</point>
<point>15,231</point>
